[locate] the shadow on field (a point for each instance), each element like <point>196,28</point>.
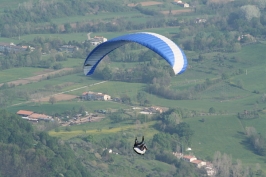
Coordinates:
<point>248,146</point>
<point>245,142</point>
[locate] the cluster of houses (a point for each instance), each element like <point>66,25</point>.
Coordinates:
<point>32,116</point>
<point>97,40</point>
<point>180,3</point>
<point>198,163</point>
<point>11,47</point>
<point>95,96</point>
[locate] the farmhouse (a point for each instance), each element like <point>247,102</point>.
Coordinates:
<point>68,48</point>
<point>95,96</point>
<point>24,113</point>
<point>11,47</point>
<point>40,117</point>
<point>182,4</point>
<point>97,40</point>
<point>29,115</point>
<point>189,158</point>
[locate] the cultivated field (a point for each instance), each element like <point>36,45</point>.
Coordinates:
<point>175,12</point>
<point>146,3</point>
<point>59,97</point>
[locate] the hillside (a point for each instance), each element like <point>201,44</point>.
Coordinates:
<point>25,152</point>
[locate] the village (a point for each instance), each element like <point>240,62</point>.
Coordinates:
<point>97,115</point>
<point>198,163</point>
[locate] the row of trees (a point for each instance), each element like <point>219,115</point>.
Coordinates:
<point>256,140</point>
<point>225,166</point>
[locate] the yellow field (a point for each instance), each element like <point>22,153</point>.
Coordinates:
<point>65,135</point>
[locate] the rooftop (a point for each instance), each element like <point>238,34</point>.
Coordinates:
<point>24,112</point>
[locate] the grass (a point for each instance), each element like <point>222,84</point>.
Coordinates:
<point>17,73</point>
<point>224,134</point>
<point>80,37</point>
<point>98,17</point>
<point>101,129</point>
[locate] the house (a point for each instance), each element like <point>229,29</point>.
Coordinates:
<point>68,48</point>
<point>189,158</point>
<point>11,47</point>
<point>40,117</point>
<point>199,163</point>
<point>24,113</point>
<point>183,4</point>
<point>97,40</point>
<point>95,96</point>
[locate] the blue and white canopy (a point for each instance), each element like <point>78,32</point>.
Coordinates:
<point>161,45</point>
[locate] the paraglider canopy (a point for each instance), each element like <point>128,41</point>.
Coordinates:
<point>161,45</point>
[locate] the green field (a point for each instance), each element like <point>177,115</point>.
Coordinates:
<point>18,73</point>
<point>94,18</point>
<point>224,134</point>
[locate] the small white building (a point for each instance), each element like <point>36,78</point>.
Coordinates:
<point>183,4</point>
<point>97,40</point>
<point>95,96</point>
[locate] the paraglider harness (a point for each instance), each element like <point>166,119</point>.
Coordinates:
<point>140,147</point>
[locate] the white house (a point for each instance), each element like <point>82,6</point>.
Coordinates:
<point>97,40</point>
<point>95,96</point>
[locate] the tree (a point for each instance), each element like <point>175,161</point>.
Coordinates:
<point>184,131</point>
<point>250,11</point>
<point>107,73</point>
<point>212,110</point>
<point>52,100</point>
<point>141,97</point>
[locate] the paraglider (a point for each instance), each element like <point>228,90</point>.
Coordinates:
<point>140,147</point>
<point>161,45</point>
